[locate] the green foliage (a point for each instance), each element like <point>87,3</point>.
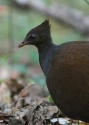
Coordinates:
<point>47,2</point>
<point>21,68</point>
<point>38,79</point>
<point>30,81</point>
<point>3,61</point>
<point>50,99</point>
<point>4,2</point>
<point>33,56</point>
<point>2,80</point>
<point>15,57</point>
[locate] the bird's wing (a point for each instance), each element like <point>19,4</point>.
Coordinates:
<point>68,78</point>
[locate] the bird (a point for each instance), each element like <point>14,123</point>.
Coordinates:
<point>66,69</point>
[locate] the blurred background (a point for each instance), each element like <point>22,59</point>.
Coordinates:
<point>69,21</point>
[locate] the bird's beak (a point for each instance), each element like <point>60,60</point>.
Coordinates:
<point>22,44</point>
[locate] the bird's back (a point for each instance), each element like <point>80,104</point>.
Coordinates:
<point>68,79</point>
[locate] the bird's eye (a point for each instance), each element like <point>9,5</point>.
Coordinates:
<point>33,36</point>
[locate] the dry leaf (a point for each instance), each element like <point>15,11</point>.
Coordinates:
<point>5,95</point>
<point>24,92</point>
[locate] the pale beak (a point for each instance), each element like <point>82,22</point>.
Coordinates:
<point>22,44</point>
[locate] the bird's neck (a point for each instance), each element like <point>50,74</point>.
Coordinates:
<point>46,53</point>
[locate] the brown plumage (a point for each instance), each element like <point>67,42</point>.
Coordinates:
<point>66,68</point>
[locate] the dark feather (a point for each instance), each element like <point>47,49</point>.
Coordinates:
<point>66,68</point>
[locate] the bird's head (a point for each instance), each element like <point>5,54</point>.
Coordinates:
<point>38,35</point>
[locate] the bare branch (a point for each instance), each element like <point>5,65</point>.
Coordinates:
<point>67,15</point>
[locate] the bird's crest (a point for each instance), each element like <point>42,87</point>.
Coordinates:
<point>43,28</point>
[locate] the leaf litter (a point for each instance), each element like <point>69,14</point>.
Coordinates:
<point>30,109</point>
